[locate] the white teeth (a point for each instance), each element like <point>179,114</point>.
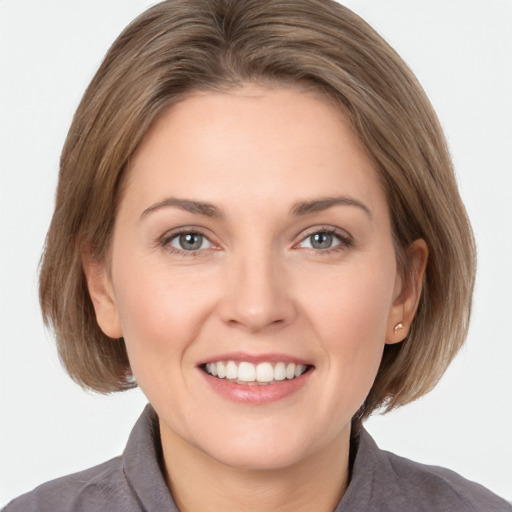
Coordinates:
<point>280,371</point>
<point>245,372</point>
<point>221,370</point>
<point>264,372</point>
<point>231,370</point>
<point>299,370</point>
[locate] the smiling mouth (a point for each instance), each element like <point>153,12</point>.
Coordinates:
<point>260,374</point>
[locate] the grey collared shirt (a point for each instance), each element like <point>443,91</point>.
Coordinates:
<point>134,482</point>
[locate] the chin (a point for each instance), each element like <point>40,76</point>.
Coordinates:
<point>268,457</point>
<point>260,448</point>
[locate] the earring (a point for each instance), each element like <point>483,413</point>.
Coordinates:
<point>398,327</point>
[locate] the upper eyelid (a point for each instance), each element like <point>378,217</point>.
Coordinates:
<point>164,242</point>
<point>300,237</point>
<point>342,233</point>
<point>346,240</point>
<point>172,233</point>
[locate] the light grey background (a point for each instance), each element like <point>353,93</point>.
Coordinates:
<point>461,51</point>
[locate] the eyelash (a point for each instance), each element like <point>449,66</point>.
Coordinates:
<point>345,240</point>
<point>167,239</point>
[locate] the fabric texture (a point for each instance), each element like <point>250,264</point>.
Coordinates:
<point>134,482</point>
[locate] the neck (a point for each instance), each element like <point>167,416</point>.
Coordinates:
<point>199,482</point>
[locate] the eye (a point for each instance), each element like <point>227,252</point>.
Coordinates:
<point>188,241</point>
<point>324,240</point>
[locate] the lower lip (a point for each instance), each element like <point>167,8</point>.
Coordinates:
<point>256,394</point>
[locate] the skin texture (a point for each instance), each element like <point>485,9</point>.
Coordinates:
<point>255,286</point>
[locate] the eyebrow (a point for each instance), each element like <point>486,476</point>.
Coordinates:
<point>318,205</point>
<point>298,209</point>
<point>189,205</point>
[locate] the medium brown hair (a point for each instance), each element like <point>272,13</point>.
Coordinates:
<point>180,46</point>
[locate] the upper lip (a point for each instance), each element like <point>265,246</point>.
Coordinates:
<point>254,358</point>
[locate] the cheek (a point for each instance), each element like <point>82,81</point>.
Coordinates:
<point>352,303</point>
<point>350,317</point>
<point>160,313</point>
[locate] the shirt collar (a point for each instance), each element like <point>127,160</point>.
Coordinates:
<point>142,464</point>
<point>360,492</point>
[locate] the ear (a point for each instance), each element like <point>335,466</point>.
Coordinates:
<point>407,293</point>
<point>102,296</point>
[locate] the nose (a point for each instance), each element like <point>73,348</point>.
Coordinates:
<point>257,293</point>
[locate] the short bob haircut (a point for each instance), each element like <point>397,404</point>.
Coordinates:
<point>181,46</point>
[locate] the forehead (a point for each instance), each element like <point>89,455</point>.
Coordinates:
<point>252,144</point>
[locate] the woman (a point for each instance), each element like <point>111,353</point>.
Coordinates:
<point>257,222</point>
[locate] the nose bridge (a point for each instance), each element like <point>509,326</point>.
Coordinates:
<point>256,295</point>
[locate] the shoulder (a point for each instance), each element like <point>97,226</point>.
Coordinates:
<point>102,487</point>
<point>389,482</point>
<point>440,488</point>
<point>132,482</point>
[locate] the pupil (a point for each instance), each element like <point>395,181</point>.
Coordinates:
<point>321,240</point>
<point>191,241</point>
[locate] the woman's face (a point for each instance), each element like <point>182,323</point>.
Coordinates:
<point>254,239</point>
